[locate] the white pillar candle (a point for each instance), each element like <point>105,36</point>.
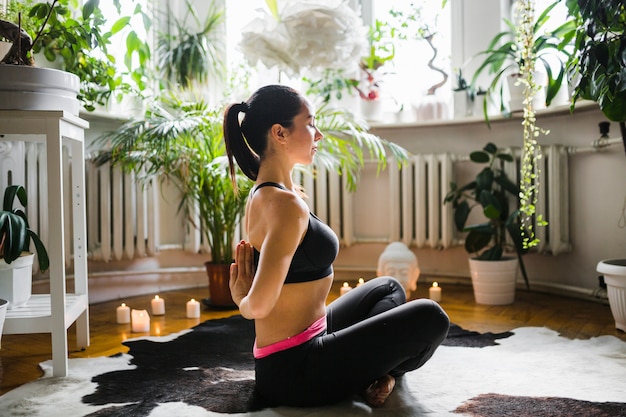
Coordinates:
<point>158,306</point>
<point>434,292</point>
<point>345,288</point>
<point>361,282</point>
<point>141,321</point>
<point>123,314</point>
<point>193,309</point>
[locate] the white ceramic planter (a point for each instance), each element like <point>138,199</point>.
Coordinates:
<point>614,271</point>
<point>516,92</point>
<point>16,280</point>
<point>372,110</point>
<point>34,88</point>
<point>494,281</point>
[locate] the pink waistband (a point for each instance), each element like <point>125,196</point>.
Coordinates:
<point>313,330</point>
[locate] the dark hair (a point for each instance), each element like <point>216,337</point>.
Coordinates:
<point>247,142</point>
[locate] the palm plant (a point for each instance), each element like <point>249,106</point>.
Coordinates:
<point>183,143</point>
<point>503,56</point>
<point>186,56</point>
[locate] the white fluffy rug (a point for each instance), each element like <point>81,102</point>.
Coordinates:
<point>534,362</point>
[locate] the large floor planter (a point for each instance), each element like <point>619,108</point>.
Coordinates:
<point>16,280</point>
<point>219,290</point>
<point>614,271</point>
<point>33,88</point>
<point>494,281</point>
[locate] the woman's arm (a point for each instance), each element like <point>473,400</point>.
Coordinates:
<point>278,222</point>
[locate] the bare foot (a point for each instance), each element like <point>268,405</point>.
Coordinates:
<point>377,393</point>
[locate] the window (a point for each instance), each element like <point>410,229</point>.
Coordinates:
<point>405,79</point>
<point>409,75</point>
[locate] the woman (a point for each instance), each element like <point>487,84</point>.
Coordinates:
<point>307,354</point>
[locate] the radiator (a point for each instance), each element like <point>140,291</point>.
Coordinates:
<point>121,214</point>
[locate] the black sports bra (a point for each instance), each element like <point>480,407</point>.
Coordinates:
<point>314,256</point>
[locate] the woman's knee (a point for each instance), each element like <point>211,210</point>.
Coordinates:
<point>394,287</point>
<point>432,318</point>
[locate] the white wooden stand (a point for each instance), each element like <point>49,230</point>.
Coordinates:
<point>54,313</point>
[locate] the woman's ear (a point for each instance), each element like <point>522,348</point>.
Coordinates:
<point>279,132</point>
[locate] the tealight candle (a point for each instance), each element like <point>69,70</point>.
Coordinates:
<point>434,292</point>
<point>345,288</point>
<point>123,314</point>
<point>193,309</point>
<point>141,321</point>
<point>158,306</point>
<point>361,282</point>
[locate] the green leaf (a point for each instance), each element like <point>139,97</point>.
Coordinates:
<point>480,157</point>
<point>461,213</point>
<point>89,7</point>
<point>476,241</point>
<point>120,24</point>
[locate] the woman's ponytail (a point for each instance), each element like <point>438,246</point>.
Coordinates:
<point>236,145</point>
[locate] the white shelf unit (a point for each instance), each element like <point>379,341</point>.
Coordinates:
<point>54,313</point>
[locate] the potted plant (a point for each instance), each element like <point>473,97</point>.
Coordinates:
<point>503,59</point>
<point>186,56</point>
<point>598,66</point>
<point>72,36</point>
<point>15,238</point>
<point>497,196</point>
<point>380,51</point>
<point>463,96</point>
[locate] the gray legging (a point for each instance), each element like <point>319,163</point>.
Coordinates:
<point>371,331</point>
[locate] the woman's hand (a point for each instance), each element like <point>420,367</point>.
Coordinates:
<point>242,272</point>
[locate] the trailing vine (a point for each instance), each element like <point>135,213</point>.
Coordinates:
<point>531,152</point>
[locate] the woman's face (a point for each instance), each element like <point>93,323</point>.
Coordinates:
<point>304,136</point>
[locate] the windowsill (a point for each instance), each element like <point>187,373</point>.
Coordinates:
<point>561,110</point>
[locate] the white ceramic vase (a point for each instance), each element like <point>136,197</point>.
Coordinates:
<point>614,271</point>
<point>494,281</point>
<point>372,110</point>
<point>516,92</point>
<point>16,280</point>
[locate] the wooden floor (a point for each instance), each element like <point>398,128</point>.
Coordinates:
<point>572,318</point>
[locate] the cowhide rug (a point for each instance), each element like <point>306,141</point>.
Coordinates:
<point>208,371</point>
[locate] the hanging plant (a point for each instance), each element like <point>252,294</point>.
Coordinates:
<point>531,152</point>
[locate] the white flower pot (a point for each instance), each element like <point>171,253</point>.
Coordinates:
<point>372,110</point>
<point>33,88</point>
<point>614,271</point>
<point>16,280</point>
<point>494,281</point>
<point>516,92</point>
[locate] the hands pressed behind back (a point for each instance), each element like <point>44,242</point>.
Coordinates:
<point>242,271</point>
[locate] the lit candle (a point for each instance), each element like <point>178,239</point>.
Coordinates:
<point>141,321</point>
<point>158,306</point>
<point>434,292</point>
<point>123,314</point>
<point>345,288</point>
<point>361,282</point>
<point>193,309</point>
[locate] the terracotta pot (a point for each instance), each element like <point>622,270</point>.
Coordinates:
<point>219,291</point>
